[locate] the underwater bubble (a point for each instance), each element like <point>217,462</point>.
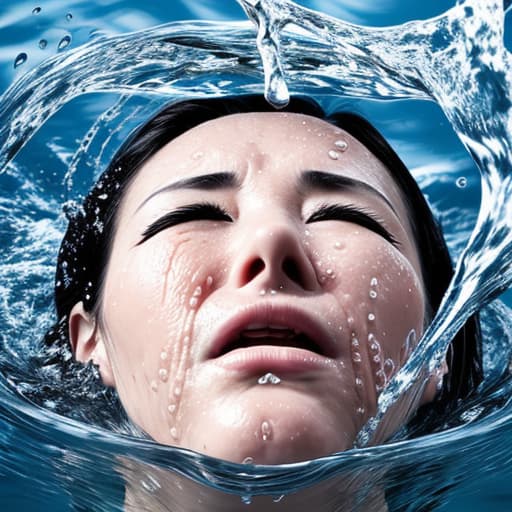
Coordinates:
<point>269,378</point>
<point>266,431</point>
<point>20,59</point>
<point>43,43</point>
<point>461,182</point>
<point>36,10</point>
<point>69,16</point>
<point>341,145</point>
<point>64,43</point>
<point>333,155</point>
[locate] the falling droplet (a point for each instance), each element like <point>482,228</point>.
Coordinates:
<point>69,16</point>
<point>333,155</point>
<point>36,10</point>
<point>371,317</point>
<point>266,431</point>
<point>43,44</point>
<point>341,145</point>
<point>461,182</point>
<point>20,59</point>
<point>64,43</point>
<point>269,378</point>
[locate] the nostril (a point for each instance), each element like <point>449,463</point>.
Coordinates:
<point>256,267</point>
<point>292,271</point>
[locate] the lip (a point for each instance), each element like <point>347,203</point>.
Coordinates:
<point>267,357</point>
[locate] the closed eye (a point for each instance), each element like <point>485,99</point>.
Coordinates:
<point>188,213</point>
<point>350,213</point>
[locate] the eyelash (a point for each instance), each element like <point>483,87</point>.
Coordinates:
<point>199,211</point>
<point>211,211</point>
<point>350,213</point>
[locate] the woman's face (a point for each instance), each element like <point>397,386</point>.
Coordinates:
<point>263,287</point>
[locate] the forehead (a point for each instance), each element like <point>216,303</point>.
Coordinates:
<point>276,146</point>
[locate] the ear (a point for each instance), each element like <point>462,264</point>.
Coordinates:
<point>434,384</point>
<point>87,342</point>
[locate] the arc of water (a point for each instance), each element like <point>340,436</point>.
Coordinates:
<point>459,60</point>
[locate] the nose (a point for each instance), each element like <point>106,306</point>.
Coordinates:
<point>272,256</point>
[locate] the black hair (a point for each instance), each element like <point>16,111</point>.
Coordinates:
<point>85,248</point>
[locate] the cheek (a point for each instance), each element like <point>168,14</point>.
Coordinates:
<point>149,304</point>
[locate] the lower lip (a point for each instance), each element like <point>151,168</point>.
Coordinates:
<point>280,360</point>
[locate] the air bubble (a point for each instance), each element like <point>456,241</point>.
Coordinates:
<point>266,431</point>
<point>269,378</point>
<point>64,42</point>
<point>341,145</point>
<point>163,374</point>
<point>389,367</point>
<point>333,155</point>
<point>20,59</point>
<point>461,182</point>
<point>355,343</point>
<point>43,43</point>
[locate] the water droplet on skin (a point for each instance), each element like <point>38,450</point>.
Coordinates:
<point>461,182</point>
<point>338,245</point>
<point>374,282</point>
<point>193,302</point>
<point>356,357</point>
<point>329,271</point>
<point>171,408</point>
<point>163,374</point>
<point>177,391</point>
<point>372,294</point>
<point>355,343</point>
<point>20,59</point>
<point>360,411</point>
<point>64,43</point>
<point>273,292</point>
<point>263,292</point>
<point>163,355</point>
<point>333,155</point>
<point>174,432</point>
<point>371,317</point>
<point>277,499</point>
<point>248,460</point>
<point>198,291</point>
<point>36,10</point>
<point>69,16</point>
<point>341,145</point>
<point>209,281</point>
<point>266,431</point>
<point>43,43</point>
<point>154,385</point>
<point>359,382</point>
<point>269,378</point>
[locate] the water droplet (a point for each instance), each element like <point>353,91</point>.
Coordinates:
<point>64,43</point>
<point>193,302</point>
<point>43,43</point>
<point>163,355</point>
<point>20,59</point>
<point>338,245</point>
<point>198,291</point>
<point>36,10</point>
<point>171,408</point>
<point>372,294</point>
<point>333,155</point>
<point>329,271</point>
<point>374,282</point>
<point>389,367</point>
<point>209,281</point>
<point>246,500</point>
<point>341,145</point>
<point>356,357</point>
<point>371,317</point>
<point>177,391</point>
<point>359,382</point>
<point>461,182</point>
<point>163,374</point>
<point>197,155</point>
<point>360,410</point>
<point>69,16</point>
<point>248,460</point>
<point>266,431</point>
<point>277,499</point>
<point>263,292</point>
<point>174,432</point>
<point>273,292</point>
<point>269,378</point>
<point>154,385</point>
<point>355,343</point>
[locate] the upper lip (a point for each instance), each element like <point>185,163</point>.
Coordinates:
<point>272,316</point>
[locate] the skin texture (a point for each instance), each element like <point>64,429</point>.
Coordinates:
<point>166,297</point>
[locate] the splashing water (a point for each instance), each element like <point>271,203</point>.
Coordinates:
<point>457,59</point>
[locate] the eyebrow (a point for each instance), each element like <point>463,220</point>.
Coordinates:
<point>213,181</point>
<point>310,179</point>
<point>327,181</point>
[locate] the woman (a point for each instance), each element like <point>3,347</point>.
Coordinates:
<point>249,280</point>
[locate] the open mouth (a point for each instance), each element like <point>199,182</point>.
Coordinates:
<point>278,336</point>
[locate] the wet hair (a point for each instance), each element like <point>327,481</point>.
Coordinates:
<point>85,249</point>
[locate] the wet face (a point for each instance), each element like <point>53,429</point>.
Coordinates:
<point>263,287</point>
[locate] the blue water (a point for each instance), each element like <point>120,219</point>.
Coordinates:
<point>48,462</point>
